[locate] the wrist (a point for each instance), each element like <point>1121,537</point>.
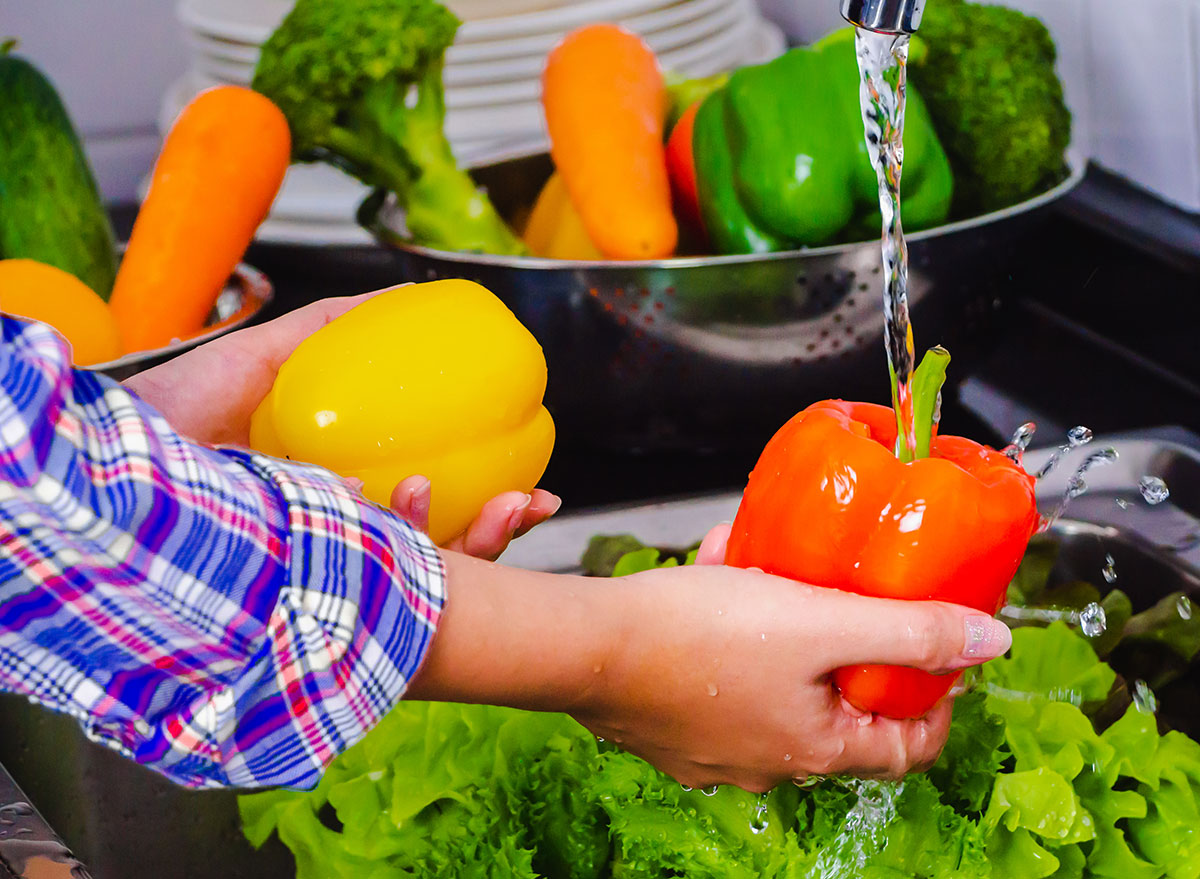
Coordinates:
<point>522,639</point>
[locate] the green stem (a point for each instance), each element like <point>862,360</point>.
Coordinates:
<point>927,380</point>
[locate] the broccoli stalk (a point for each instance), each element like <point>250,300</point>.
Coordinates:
<point>360,82</point>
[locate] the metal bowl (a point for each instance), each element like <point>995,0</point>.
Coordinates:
<point>246,294</point>
<point>701,349</point>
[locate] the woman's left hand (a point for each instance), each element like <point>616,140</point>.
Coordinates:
<point>209,393</point>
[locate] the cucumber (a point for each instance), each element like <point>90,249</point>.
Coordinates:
<point>50,208</point>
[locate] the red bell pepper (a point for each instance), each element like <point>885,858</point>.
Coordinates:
<point>830,504</point>
<point>681,170</point>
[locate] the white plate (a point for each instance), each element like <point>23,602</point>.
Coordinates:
<point>560,20</point>
<point>468,65</point>
<point>350,234</point>
<point>677,51</point>
<point>252,21</point>
<point>242,21</point>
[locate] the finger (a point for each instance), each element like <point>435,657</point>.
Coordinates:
<point>712,547</point>
<point>493,528</point>
<point>930,635</point>
<point>885,748</point>
<point>410,501</point>
<point>542,505</point>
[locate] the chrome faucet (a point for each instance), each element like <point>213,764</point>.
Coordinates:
<point>884,16</point>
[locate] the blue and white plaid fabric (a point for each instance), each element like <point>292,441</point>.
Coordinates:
<point>223,617</point>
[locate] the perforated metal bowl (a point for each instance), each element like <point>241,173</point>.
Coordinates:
<point>687,350</point>
<point>246,294</point>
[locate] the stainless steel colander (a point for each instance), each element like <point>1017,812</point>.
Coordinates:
<point>700,350</point>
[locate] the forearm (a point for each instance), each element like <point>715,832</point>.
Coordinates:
<point>521,638</point>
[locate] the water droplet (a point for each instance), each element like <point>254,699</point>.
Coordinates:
<point>758,823</point>
<point>787,757</point>
<point>1184,606</point>
<point>1079,436</point>
<point>1110,569</point>
<point>710,791</point>
<point>764,636</point>
<point>686,789</point>
<point>1020,441</point>
<point>600,739</point>
<point>712,689</point>
<point>1076,486</point>
<point>1153,489</point>
<point>1143,698</point>
<point>1123,504</point>
<point>1092,620</point>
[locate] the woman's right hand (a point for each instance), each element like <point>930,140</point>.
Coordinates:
<point>722,676</point>
<point>715,675</point>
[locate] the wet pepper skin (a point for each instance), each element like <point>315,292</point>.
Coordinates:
<point>437,379</point>
<point>830,504</point>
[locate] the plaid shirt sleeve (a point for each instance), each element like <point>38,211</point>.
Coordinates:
<point>220,616</point>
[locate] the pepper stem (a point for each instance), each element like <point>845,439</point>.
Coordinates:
<point>927,381</point>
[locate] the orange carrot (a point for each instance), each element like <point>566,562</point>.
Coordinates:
<point>605,103</point>
<point>220,168</point>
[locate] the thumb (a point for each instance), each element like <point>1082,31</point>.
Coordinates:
<point>930,635</point>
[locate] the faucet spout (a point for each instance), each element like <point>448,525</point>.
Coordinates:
<point>884,16</point>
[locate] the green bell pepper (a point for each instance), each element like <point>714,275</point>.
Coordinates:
<point>781,160</point>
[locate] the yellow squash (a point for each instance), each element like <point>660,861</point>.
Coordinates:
<point>437,379</point>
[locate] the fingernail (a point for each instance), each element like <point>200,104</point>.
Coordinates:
<point>517,516</point>
<point>420,498</point>
<point>986,638</point>
<point>557,505</point>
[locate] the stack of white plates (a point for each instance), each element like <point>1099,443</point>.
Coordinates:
<point>492,79</point>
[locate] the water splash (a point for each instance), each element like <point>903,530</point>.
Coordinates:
<point>1077,485</point>
<point>1093,620</point>
<point>1110,569</point>
<point>1143,698</point>
<point>883,70</point>
<point>1153,490</point>
<point>710,791</point>
<point>864,829</point>
<point>1077,437</point>
<point>758,821</point>
<point>1020,441</point>
<point>1184,606</point>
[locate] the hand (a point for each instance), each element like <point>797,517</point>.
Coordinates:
<point>502,519</point>
<point>713,674</point>
<point>209,393</point>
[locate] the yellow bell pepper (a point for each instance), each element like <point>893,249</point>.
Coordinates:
<point>437,379</point>
<point>555,229</point>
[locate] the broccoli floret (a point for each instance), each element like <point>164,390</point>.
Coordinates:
<point>989,82</point>
<point>360,82</point>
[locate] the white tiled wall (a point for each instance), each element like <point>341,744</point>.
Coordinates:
<point>1145,74</point>
<point>111,61</point>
